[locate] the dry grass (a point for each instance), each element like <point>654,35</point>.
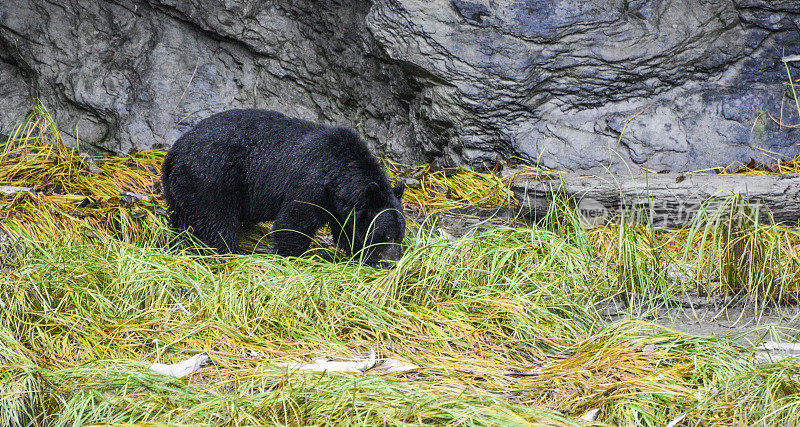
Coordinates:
<point>439,190</point>
<point>71,193</point>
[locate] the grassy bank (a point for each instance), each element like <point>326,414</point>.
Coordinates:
<point>502,326</point>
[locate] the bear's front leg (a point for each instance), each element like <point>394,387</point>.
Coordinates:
<point>294,226</point>
<point>341,238</point>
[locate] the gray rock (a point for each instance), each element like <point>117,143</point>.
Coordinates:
<point>412,182</point>
<point>127,75</point>
<point>665,84</point>
<point>557,82</point>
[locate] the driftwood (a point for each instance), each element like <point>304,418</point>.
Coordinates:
<point>10,189</point>
<point>663,200</point>
<point>371,364</point>
<point>182,369</point>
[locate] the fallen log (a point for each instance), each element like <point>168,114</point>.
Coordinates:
<point>669,200</point>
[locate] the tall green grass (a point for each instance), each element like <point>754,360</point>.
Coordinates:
<point>507,337</point>
<point>737,250</point>
<point>73,193</point>
<point>503,325</point>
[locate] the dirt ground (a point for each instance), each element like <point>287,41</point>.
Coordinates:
<point>741,319</point>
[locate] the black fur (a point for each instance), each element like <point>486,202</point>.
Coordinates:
<point>241,167</point>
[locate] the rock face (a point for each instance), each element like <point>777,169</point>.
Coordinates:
<point>599,84</point>
<point>559,80</point>
<point>125,75</point>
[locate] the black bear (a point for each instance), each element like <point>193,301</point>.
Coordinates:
<point>240,167</point>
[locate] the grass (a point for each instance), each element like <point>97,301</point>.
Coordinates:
<point>503,325</point>
<point>70,193</point>
<point>438,190</point>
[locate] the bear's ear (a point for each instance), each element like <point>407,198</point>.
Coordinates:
<point>399,189</point>
<point>371,195</point>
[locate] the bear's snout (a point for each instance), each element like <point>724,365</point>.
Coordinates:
<point>392,252</point>
<point>385,255</point>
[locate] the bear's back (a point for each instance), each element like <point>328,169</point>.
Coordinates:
<point>259,145</point>
<point>244,128</point>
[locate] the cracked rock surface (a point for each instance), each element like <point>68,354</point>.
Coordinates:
<point>123,75</point>
<point>666,84</point>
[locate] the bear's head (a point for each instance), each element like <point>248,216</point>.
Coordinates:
<point>376,226</point>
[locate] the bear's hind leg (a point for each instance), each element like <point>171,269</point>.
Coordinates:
<point>218,229</point>
<point>293,229</point>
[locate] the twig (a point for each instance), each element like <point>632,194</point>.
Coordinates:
<point>675,421</point>
<point>371,363</point>
<point>791,83</point>
<point>185,90</point>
